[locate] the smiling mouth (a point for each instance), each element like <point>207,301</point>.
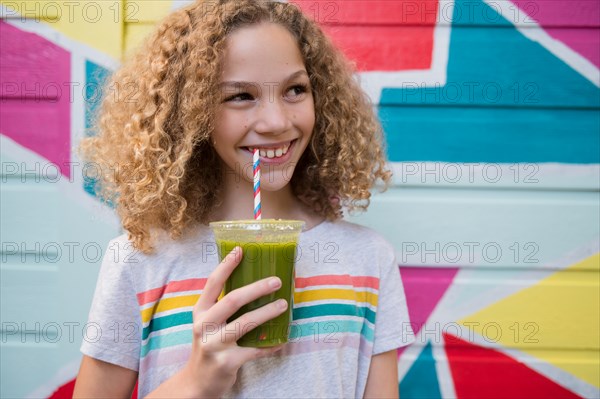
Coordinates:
<point>273,152</point>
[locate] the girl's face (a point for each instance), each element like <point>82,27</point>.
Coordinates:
<point>265,102</point>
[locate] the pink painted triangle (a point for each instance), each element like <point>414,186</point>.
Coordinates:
<point>424,287</point>
<point>556,17</point>
<point>35,96</point>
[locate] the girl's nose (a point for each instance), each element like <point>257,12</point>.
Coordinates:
<point>272,118</point>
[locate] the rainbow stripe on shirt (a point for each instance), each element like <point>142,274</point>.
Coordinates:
<point>329,310</point>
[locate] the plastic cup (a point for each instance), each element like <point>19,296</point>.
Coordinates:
<point>268,249</point>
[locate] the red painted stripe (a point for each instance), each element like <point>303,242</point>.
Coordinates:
<point>66,391</point>
<point>380,35</point>
<point>385,48</point>
<point>372,12</point>
<point>332,279</point>
<point>173,286</point>
<point>481,373</point>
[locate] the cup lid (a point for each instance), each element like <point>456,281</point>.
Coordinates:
<point>262,224</point>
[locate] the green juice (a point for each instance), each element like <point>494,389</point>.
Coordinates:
<point>262,260</point>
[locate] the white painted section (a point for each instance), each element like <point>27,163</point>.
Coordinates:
<point>487,175</point>
<point>374,81</point>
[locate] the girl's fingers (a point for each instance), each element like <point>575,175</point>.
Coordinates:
<point>232,302</point>
<point>249,321</point>
<point>216,280</point>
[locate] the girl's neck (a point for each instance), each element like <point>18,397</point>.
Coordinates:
<point>238,204</point>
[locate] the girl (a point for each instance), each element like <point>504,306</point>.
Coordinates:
<point>216,80</point>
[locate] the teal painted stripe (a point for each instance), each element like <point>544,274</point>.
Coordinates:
<point>453,134</point>
<point>490,67</point>
<point>486,58</point>
<point>167,340</point>
<point>506,99</point>
<point>421,380</point>
<point>95,78</point>
<point>161,323</point>
<point>306,312</point>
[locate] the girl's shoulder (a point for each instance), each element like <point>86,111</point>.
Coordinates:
<point>187,258</point>
<point>352,236</point>
<point>350,230</point>
<point>164,246</point>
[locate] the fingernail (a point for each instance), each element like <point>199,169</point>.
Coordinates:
<point>234,251</point>
<point>281,303</point>
<point>274,282</point>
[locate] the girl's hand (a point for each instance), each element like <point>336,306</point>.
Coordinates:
<point>216,357</point>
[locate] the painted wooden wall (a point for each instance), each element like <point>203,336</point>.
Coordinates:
<point>491,111</point>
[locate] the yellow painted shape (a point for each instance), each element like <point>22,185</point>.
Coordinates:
<point>134,37</point>
<point>169,304</point>
<point>137,11</point>
<point>333,293</point>
<point>142,17</point>
<point>98,24</point>
<point>551,320</point>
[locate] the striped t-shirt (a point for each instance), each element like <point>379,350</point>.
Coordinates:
<point>349,305</point>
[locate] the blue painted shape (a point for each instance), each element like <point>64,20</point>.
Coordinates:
<point>506,99</point>
<point>95,79</point>
<point>454,134</point>
<point>421,380</point>
<point>476,13</point>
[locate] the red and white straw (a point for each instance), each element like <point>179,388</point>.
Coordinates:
<point>256,169</point>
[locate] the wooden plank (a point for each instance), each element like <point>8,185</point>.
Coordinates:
<point>374,12</point>
<point>385,48</point>
<point>583,41</point>
<point>29,297</point>
<point>487,134</point>
<point>26,367</point>
<point>421,12</point>
<point>428,12</point>
<point>484,175</point>
<point>135,35</point>
<point>39,10</point>
<point>551,13</point>
<point>36,107</point>
<point>473,228</point>
<point>29,213</point>
<point>96,24</point>
<point>144,11</point>
<point>491,67</point>
<point>517,302</point>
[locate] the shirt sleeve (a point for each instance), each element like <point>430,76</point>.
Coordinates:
<point>392,324</point>
<point>113,331</point>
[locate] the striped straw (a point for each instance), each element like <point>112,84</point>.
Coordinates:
<point>256,169</point>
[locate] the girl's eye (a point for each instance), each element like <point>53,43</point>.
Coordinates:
<point>298,89</point>
<point>295,91</point>
<point>239,97</point>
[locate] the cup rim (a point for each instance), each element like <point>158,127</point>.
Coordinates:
<point>251,224</point>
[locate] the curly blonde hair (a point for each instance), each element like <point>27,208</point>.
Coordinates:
<point>163,171</point>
